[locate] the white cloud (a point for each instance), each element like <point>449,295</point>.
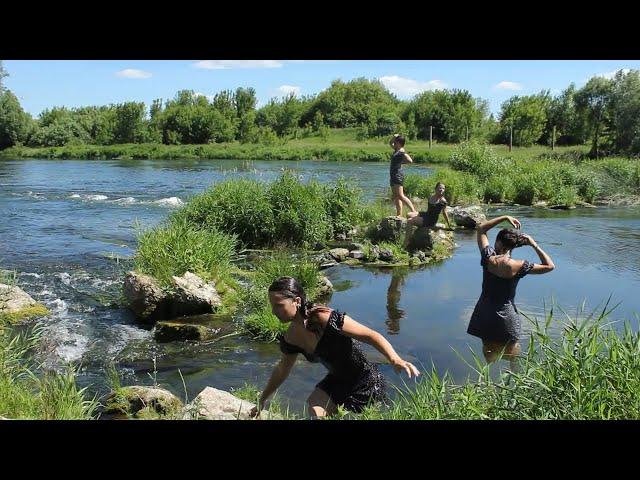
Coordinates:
<point>199,94</point>
<point>406,87</point>
<point>508,86</point>
<point>133,73</point>
<point>288,89</point>
<point>229,64</point>
<point>610,75</point>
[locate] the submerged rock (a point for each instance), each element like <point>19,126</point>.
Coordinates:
<point>171,331</point>
<point>326,287</point>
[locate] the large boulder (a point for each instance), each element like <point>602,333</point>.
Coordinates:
<point>189,295</point>
<point>389,229</point>
<point>143,402</point>
<point>16,305</point>
<point>145,297</point>
<point>193,296</point>
<point>214,404</point>
<point>467,217</point>
<point>432,240</point>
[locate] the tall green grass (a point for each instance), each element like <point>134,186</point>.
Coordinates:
<point>588,371</point>
<point>30,391</point>
<point>178,245</point>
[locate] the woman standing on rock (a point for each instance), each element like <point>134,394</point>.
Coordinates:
<point>495,318</point>
<point>325,335</point>
<point>396,176</point>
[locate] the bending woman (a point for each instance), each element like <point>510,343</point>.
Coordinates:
<point>495,318</point>
<point>325,335</point>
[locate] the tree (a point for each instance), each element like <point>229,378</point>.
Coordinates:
<point>626,111</point>
<point>129,122</point>
<point>15,123</point>
<point>3,74</point>
<point>527,116</point>
<point>594,101</point>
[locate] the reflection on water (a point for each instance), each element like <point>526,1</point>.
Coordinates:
<point>394,313</point>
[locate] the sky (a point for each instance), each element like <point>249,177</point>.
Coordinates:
<point>42,84</point>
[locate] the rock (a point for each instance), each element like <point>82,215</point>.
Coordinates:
<point>318,246</point>
<point>139,401</point>
<point>374,253</point>
<point>214,404</point>
<point>386,255</point>
<point>193,296</point>
<point>355,246</point>
<point>420,255</point>
<point>540,204</point>
<point>389,229</point>
<point>145,297</point>
<point>326,287</point>
<point>357,254</point>
<point>16,305</point>
<point>324,266</point>
<point>428,239</point>
<point>562,207</point>
<point>467,217</point>
<point>341,237</point>
<point>171,331</point>
<point>339,254</point>
<point>190,296</point>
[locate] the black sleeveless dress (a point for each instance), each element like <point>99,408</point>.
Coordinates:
<point>352,381</point>
<point>430,217</point>
<point>495,316</point>
<point>395,169</point>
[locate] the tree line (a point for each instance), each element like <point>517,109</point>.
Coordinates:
<point>604,113</point>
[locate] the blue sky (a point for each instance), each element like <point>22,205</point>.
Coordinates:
<point>41,84</point>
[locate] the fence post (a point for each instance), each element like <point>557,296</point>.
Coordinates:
<point>430,134</point>
<point>553,139</point>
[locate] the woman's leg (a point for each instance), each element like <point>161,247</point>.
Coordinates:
<point>493,350</point>
<point>395,189</point>
<point>405,199</point>
<point>320,404</point>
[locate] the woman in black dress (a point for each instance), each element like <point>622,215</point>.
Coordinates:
<point>325,335</point>
<point>436,204</point>
<point>396,177</point>
<point>495,318</point>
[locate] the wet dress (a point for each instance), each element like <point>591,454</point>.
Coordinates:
<point>395,169</point>
<point>495,317</point>
<point>352,381</point>
<point>430,217</point>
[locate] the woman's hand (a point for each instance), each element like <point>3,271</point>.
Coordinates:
<point>399,365</point>
<point>528,240</point>
<point>514,221</point>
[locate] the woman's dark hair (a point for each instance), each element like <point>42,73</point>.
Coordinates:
<point>438,184</point>
<point>400,139</point>
<point>289,287</point>
<point>510,239</point>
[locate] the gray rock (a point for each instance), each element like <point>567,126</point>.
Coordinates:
<point>17,305</point>
<point>357,254</point>
<point>339,254</point>
<point>389,229</point>
<point>214,404</point>
<point>145,297</point>
<point>426,239</point>
<point>386,255</point>
<point>467,217</point>
<point>193,296</point>
<point>135,399</point>
<point>355,246</point>
<point>326,287</point>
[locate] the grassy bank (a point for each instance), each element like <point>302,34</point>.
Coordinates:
<point>338,145</point>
